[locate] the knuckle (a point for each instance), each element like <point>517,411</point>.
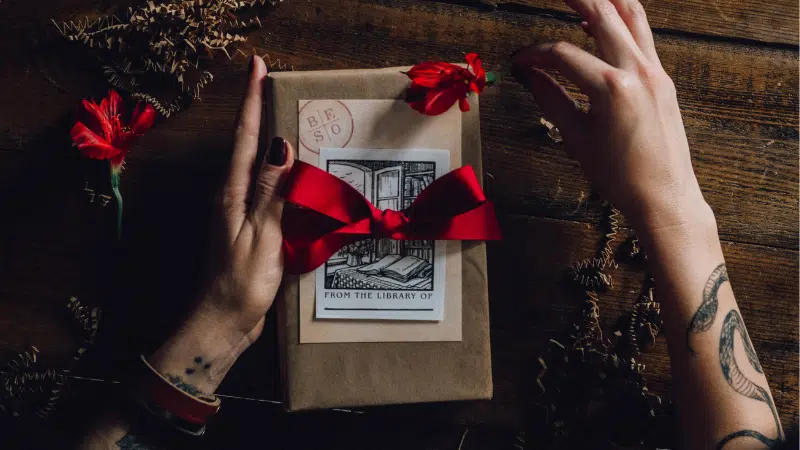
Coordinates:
<point>636,10</point>
<point>243,130</point>
<point>617,81</point>
<point>227,203</point>
<point>655,78</point>
<point>649,74</point>
<point>560,49</point>
<point>604,9</point>
<point>266,184</point>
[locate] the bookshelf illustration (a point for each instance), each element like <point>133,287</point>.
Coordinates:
<point>384,264</point>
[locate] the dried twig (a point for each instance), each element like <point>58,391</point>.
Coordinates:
<point>29,389</point>
<point>157,51</point>
<point>589,395</point>
<point>590,273</point>
<point>552,130</point>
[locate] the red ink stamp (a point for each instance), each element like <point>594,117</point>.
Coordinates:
<point>325,124</point>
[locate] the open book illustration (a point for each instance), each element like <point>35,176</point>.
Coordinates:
<point>402,269</point>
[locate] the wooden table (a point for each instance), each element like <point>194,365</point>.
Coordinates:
<point>735,65</point>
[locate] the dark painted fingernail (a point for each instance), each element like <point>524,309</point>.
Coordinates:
<point>277,152</point>
<point>252,63</point>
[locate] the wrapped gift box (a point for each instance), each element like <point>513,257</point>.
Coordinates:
<point>448,360</point>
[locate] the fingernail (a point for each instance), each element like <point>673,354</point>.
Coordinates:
<point>277,152</point>
<point>252,63</point>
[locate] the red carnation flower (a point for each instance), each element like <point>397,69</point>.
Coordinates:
<point>436,86</point>
<point>100,133</point>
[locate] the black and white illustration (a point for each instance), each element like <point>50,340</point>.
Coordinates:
<point>384,278</point>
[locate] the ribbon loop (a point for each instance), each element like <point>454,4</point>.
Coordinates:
<point>335,214</point>
<point>388,223</point>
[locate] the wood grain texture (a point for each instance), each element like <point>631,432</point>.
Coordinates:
<point>775,22</point>
<point>740,109</point>
<point>531,301</point>
<point>739,104</point>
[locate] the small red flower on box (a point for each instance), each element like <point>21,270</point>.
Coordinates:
<point>100,133</point>
<point>437,86</point>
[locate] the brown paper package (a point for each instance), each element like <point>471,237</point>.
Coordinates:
<point>333,375</point>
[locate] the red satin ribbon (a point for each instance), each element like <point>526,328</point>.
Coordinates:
<point>334,214</point>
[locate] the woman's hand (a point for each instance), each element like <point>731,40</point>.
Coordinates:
<point>246,257</point>
<point>631,143</point>
<point>246,262</point>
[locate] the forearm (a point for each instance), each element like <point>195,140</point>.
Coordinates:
<point>722,396</point>
<point>246,269</point>
<point>195,359</point>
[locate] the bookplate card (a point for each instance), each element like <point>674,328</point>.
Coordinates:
<point>384,278</point>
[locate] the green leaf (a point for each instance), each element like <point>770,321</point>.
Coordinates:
<point>493,78</point>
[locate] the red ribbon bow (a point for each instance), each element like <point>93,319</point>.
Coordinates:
<point>451,208</point>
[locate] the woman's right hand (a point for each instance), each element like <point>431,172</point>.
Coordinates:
<point>631,143</point>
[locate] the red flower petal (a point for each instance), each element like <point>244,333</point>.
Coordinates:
<point>97,120</point>
<point>144,116</point>
<point>463,104</point>
<point>430,74</point>
<point>436,86</point>
<point>91,145</point>
<point>438,102</point>
<point>474,61</point>
<point>112,104</point>
<point>416,93</point>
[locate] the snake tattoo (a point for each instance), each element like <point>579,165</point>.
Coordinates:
<point>703,318</point>
<point>700,322</point>
<point>739,382</point>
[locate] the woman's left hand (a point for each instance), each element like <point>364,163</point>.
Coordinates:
<point>246,261</point>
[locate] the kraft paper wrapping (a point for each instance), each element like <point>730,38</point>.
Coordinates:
<point>328,375</point>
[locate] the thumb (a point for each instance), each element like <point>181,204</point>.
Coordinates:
<point>267,205</point>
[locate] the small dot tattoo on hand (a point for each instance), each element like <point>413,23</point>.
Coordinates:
<point>198,362</point>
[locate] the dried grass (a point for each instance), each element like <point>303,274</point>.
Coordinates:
<point>159,51</point>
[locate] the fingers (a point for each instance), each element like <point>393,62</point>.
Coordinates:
<point>245,147</point>
<point>585,70</point>
<point>633,14</point>
<point>557,104</point>
<point>267,207</point>
<point>614,40</point>
<point>585,28</point>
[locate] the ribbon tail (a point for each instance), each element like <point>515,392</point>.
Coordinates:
<point>484,224</point>
<point>478,224</point>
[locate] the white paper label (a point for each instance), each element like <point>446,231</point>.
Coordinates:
<point>384,278</point>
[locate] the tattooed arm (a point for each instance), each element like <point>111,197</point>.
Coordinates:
<point>720,387</point>
<point>632,145</point>
<point>195,360</point>
<point>246,270</point>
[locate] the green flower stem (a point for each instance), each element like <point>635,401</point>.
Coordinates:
<point>115,176</point>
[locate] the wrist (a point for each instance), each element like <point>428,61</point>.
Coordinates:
<point>683,231</point>
<point>683,247</point>
<point>675,218</point>
<point>199,355</point>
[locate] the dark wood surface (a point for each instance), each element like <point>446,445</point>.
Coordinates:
<point>735,65</point>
